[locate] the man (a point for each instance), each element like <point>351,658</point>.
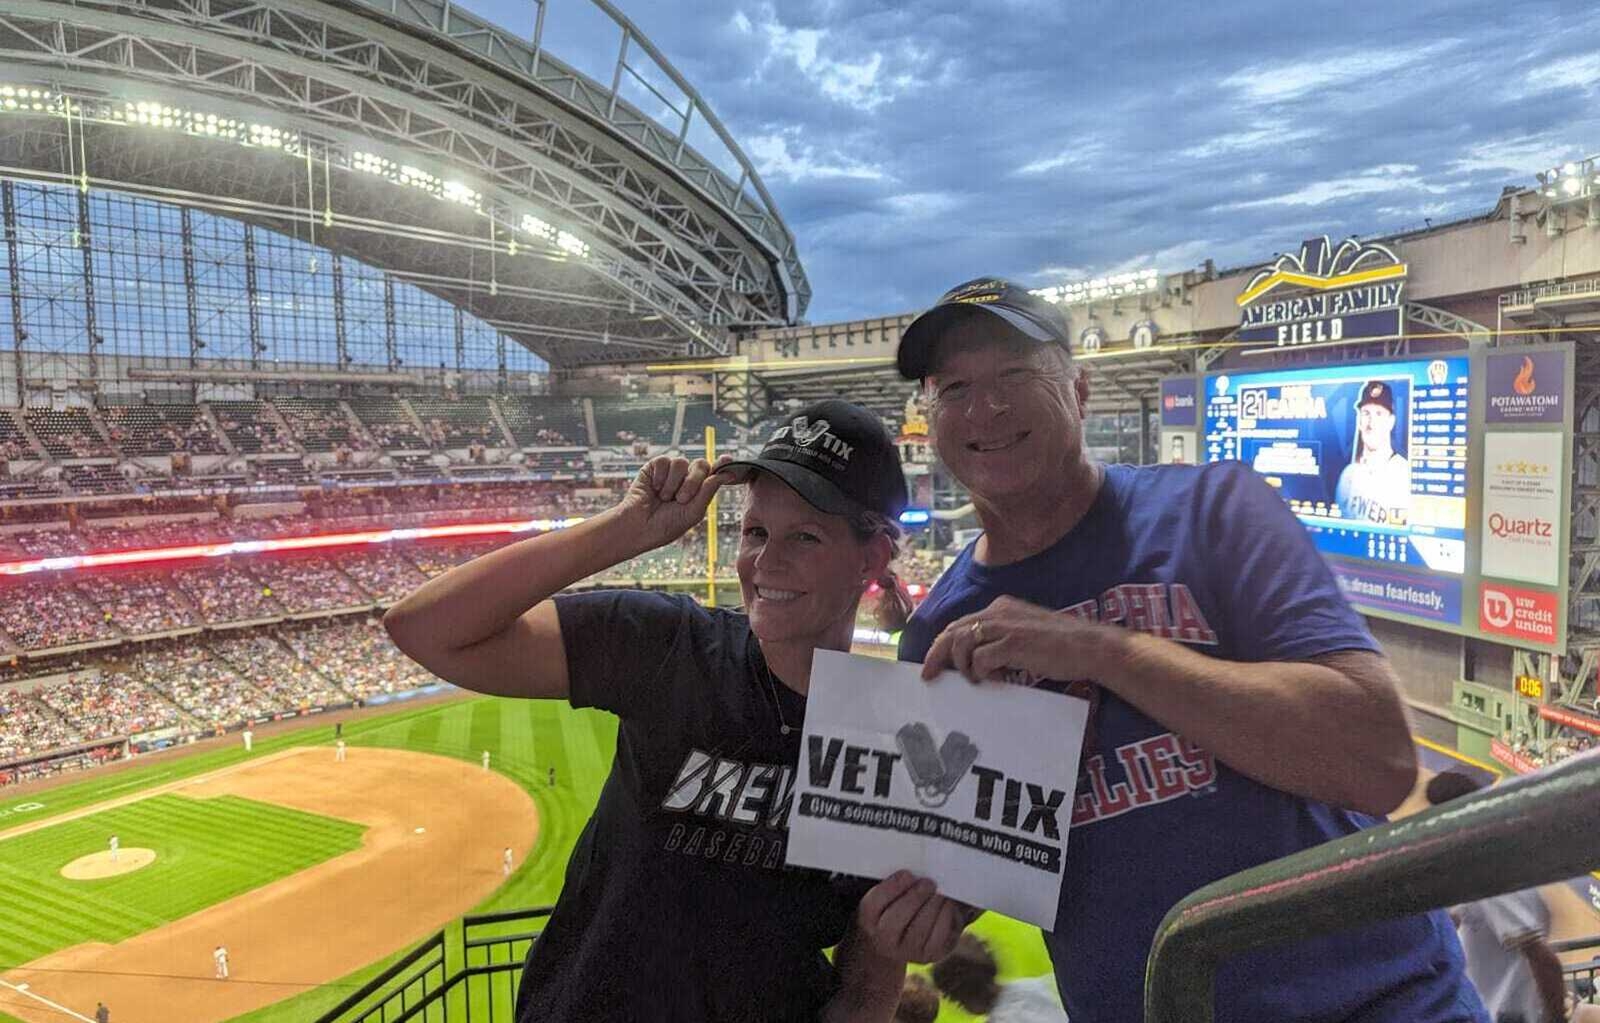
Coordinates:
<point>1376,486</point>
<point>220,954</point>
<point>1508,957</point>
<point>1242,712</point>
<point>249,740</point>
<point>101,1013</point>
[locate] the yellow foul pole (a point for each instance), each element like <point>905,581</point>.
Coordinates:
<point>711,526</point>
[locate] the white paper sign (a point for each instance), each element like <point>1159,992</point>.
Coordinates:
<point>970,785</point>
<point>1522,499</point>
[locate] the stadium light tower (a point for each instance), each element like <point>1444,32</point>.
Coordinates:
<point>1576,181</point>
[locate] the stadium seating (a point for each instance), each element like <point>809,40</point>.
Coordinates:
<point>289,682</point>
<point>139,603</point>
<point>697,415</point>
<point>68,433</point>
<point>458,422</point>
<point>320,424</point>
<point>203,685</point>
<point>385,575</point>
<point>359,654</point>
<point>13,441</point>
<point>29,727</point>
<point>308,584</point>
<point>545,422</point>
<point>283,472</point>
<point>38,614</point>
<point>557,463</point>
<point>147,430</point>
<point>109,705</point>
<point>224,594</point>
<point>390,425</point>
<point>251,428</point>
<point>99,478</point>
<point>620,421</point>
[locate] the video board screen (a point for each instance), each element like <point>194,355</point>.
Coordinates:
<point>1372,457</point>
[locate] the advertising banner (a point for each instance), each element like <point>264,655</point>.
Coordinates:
<point>970,785</point>
<point>1511,758</point>
<point>1572,719</point>
<point>1522,502</point>
<point>1434,598</point>
<point>1526,387</point>
<point>1179,406</point>
<point>1526,616</point>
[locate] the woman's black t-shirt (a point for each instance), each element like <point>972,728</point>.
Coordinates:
<point>677,904</point>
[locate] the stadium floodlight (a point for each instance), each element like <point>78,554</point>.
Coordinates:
<point>1573,181</point>
<point>27,99</point>
<point>1112,286</point>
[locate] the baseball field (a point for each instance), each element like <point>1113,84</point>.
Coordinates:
<point>312,872</point>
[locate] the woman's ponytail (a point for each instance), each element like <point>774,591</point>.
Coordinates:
<point>894,602</point>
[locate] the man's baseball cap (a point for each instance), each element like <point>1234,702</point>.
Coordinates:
<point>1376,392</point>
<point>837,456</point>
<point>1026,313</point>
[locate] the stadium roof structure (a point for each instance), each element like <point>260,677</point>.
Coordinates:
<point>422,140</point>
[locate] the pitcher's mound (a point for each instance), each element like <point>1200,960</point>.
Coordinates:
<point>98,865</point>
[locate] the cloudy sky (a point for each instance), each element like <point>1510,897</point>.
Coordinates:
<point>912,145</point>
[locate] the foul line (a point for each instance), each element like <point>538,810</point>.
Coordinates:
<point>22,989</point>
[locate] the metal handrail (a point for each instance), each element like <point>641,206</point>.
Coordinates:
<point>1536,829</point>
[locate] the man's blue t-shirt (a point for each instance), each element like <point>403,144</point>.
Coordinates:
<point>1212,558</point>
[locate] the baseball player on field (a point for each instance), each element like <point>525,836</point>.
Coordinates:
<point>505,862</point>
<point>220,955</point>
<point>116,843</point>
<point>485,760</point>
<point>338,751</point>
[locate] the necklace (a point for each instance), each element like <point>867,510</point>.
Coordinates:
<point>772,686</point>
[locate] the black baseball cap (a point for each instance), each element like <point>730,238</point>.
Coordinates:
<point>837,456</point>
<point>1026,313</point>
<point>1376,392</point>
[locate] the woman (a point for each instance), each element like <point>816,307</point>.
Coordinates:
<point>677,904</point>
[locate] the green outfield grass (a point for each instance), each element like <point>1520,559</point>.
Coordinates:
<point>207,850</point>
<point>526,738</point>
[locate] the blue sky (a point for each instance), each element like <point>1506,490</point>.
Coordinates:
<point>916,144</point>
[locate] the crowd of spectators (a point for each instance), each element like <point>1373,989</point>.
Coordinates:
<point>225,593</point>
<point>110,704</point>
<point>28,727</point>
<point>201,684</point>
<point>307,583</point>
<point>360,655</point>
<point>13,442</point>
<point>385,574</point>
<point>68,433</point>
<point>43,613</point>
<point>251,428</point>
<point>139,603</point>
<point>159,430</point>
<point>290,682</point>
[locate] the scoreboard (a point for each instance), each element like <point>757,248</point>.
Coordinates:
<point>1371,458</point>
<point>1436,486</point>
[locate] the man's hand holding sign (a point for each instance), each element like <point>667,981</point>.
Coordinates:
<point>967,787</point>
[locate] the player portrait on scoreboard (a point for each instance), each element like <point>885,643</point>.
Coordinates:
<point>1376,485</point>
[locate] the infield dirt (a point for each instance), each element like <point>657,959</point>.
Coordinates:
<point>318,925</point>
